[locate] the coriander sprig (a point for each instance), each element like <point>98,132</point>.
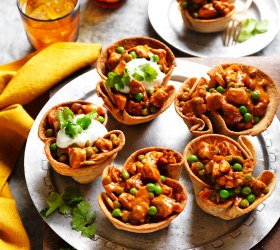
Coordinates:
<point>72,128</point>
<point>72,203</point>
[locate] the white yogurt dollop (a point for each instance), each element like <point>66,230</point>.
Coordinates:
<point>134,64</point>
<point>92,133</point>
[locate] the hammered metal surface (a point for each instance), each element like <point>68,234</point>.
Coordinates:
<point>193,228</point>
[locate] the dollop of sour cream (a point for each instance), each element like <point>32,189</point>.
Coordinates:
<point>134,64</point>
<point>92,133</point>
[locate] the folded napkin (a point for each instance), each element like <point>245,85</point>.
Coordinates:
<point>20,83</point>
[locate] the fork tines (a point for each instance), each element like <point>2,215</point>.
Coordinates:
<point>232,32</point>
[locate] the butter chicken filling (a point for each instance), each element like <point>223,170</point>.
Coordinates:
<point>135,76</point>
<point>239,97</point>
<point>207,9</point>
<point>80,134</point>
<point>137,194</point>
<point>229,176</point>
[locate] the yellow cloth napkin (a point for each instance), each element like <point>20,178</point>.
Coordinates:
<point>20,83</point>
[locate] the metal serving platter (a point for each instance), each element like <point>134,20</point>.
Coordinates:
<point>167,21</point>
<point>193,228</point>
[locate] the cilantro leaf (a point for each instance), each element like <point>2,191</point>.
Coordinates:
<point>82,216</point>
<point>72,129</point>
<point>64,116</point>
<point>149,72</point>
<point>71,202</point>
<point>89,231</point>
<point>250,28</point>
<point>262,27</point>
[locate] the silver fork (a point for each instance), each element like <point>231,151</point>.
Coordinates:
<point>231,34</point>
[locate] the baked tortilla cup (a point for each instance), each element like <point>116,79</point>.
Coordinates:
<point>48,131</point>
<point>171,165</point>
<point>156,98</point>
<point>215,104</point>
<point>205,25</point>
<point>208,194</point>
<point>90,169</point>
<point>106,202</point>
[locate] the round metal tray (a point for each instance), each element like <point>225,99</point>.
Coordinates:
<point>193,228</point>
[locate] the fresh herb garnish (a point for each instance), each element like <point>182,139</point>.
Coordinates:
<point>72,128</point>
<point>72,203</point>
<point>144,72</point>
<point>251,28</point>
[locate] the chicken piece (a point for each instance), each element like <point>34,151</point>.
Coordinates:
<point>136,87</point>
<point>77,156</point>
<point>120,100</point>
<point>126,200</point>
<point>207,11</point>
<point>150,171</point>
<point>231,114</point>
<point>237,96</point>
<point>214,101</point>
<point>165,206</point>
<point>227,148</point>
<point>158,98</point>
<point>120,68</point>
<point>140,206</point>
<point>162,58</point>
<point>142,51</point>
<point>113,60</point>
<point>260,109</point>
<point>134,108</point>
<point>196,106</point>
<point>134,182</point>
<point>103,144</point>
<point>207,151</point>
<point>113,190</point>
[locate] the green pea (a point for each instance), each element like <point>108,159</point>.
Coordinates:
<point>151,187</point>
<point>246,190</point>
<point>195,15</point>
<point>117,204</point>
<point>230,160</point>
<point>237,167</point>
<point>231,85</point>
<point>255,94</point>
<point>251,198</point>
<point>242,110</point>
<point>181,103</point>
<point>256,119</point>
<point>247,117</point>
<point>100,119</point>
<point>265,190</point>
<point>133,54</point>
<point>158,190</point>
<point>151,195</point>
<point>49,132</point>
<point>54,146</point>
<point>120,49</point>
<point>153,109</point>
<point>184,5</point>
<point>220,89</point>
<point>63,158</point>
<point>248,177</point>
<point>133,191</point>
<point>192,158</point>
<point>152,210</point>
<point>213,199</point>
<point>206,87</point>
<point>224,193</point>
<point>237,190</point>
<point>89,152</point>
<point>162,178</point>
<point>138,97</point>
<point>116,212</point>
<point>125,175</point>
<point>140,157</point>
<point>211,90</point>
<point>217,187</point>
<point>155,58</point>
<point>244,203</point>
<point>201,172</point>
<point>145,112</point>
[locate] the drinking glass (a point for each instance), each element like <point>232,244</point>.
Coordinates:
<point>50,21</point>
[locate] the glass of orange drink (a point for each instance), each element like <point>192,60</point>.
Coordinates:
<point>50,21</point>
